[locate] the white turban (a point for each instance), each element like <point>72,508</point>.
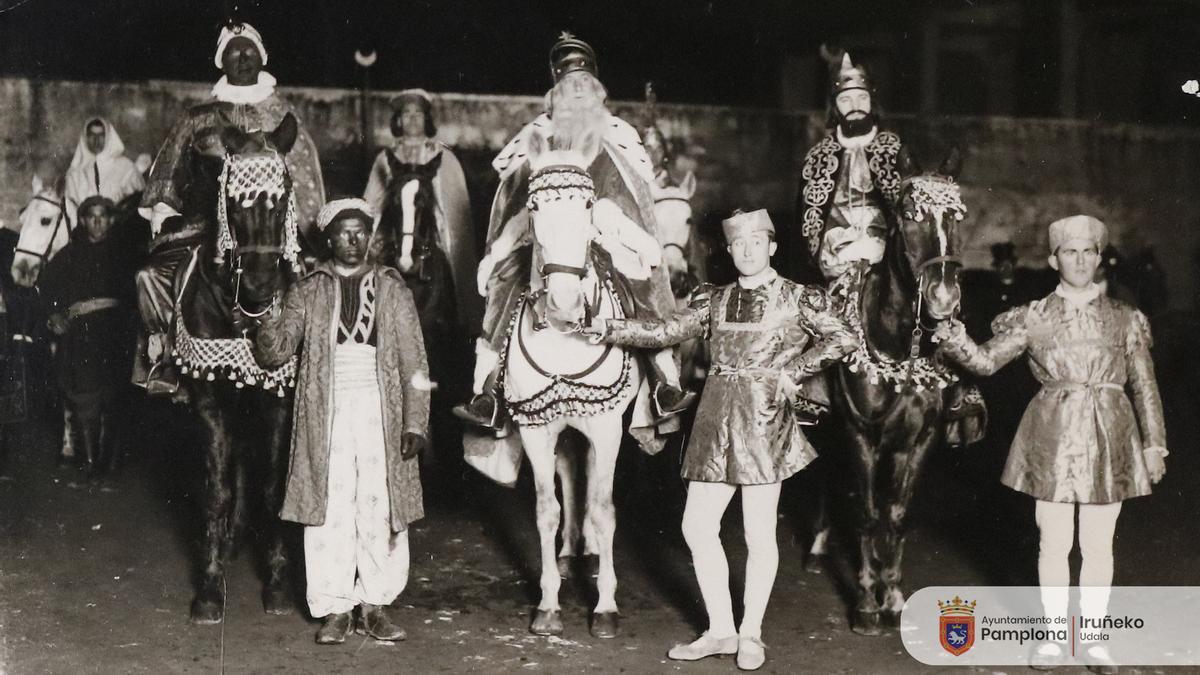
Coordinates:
<point>1077,227</point>
<point>333,209</point>
<point>239,30</point>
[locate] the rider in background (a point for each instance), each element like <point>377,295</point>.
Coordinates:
<point>100,167</point>
<point>88,288</point>
<point>179,207</point>
<point>1093,436</point>
<point>767,336</point>
<point>416,144</point>
<point>361,419</point>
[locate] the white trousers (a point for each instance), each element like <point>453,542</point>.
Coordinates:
<point>1056,528</point>
<point>706,503</point>
<point>355,558</point>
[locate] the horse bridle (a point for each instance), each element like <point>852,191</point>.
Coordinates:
<point>551,183</point>
<point>62,217</point>
<point>238,250</point>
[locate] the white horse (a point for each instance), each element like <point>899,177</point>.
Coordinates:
<point>45,230</point>
<point>673,213</point>
<point>555,378</point>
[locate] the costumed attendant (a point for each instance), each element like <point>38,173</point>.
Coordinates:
<point>766,335</point>
<point>1093,435</point>
<point>174,201</point>
<point>100,167</point>
<point>362,413</point>
<point>88,289</point>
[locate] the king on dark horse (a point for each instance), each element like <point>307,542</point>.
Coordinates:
<point>886,238</point>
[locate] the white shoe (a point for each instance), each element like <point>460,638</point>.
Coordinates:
<point>704,646</point>
<point>751,653</point>
<point>1047,656</point>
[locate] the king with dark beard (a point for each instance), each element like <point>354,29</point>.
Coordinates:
<point>622,175</point>
<point>850,179</point>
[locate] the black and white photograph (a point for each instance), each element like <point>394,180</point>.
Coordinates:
<point>599,336</point>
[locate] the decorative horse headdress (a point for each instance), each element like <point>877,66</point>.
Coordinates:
<point>559,181</point>
<point>245,177</point>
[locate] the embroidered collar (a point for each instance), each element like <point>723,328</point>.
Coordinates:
<point>245,95</point>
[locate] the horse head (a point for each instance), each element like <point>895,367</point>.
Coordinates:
<point>256,214</point>
<point>561,195</point>
<point>673,214</point>
<point>45,230</point>
<point>930,211</point>
<point>410,199</point>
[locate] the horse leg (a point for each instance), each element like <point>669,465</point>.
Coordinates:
<point>905,471</point>
<point>68,441</point>
<point>276,596</point>
<point>604,432</point>
<point>566,466</point>
<point>819,551</point>
<point>865,618</point>
<point>539,445</point>
<point>208,607</point>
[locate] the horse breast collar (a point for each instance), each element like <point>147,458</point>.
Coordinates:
<point>231,358</point>
<point>919,372</point>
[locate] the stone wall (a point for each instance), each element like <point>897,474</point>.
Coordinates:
<point>1018,175</point>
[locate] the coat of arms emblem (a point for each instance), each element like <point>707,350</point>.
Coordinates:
<point>956,625</point>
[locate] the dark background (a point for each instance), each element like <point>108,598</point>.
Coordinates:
<point>1095,59</point>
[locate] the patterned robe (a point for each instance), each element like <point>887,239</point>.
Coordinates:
<point>198,132</point>
<point>744,434</point>
<point>1079,439</point>
<point>823,175</point>
<point>309,323</point>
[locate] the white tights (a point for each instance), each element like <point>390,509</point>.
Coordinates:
<point>706,503</point>
<point>1056,526</point>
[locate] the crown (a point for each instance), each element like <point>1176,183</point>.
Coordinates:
<point>569,54</point>
<point>957,606</point>
<point>848,76</point>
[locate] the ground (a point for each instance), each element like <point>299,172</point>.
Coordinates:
<point>98,580</point>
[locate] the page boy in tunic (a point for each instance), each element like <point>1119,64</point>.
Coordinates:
<point>1093,435</point>
<point>766,335</point>
<point>362,416</point>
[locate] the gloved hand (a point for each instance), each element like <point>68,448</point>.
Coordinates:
<point>412,444</point>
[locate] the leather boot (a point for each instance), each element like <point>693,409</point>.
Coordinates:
<point>377,624</point>
<point>335,628</point>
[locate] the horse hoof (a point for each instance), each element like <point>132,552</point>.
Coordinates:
<point>564,566</point>
<point>889,618</point>
<point>865,623</point>
<point>277,601</point>
<point>547,622</point>
<point>605,625</point>
<point>814,563</point>
<point>206,612</point>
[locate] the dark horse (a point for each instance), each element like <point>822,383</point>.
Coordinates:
<point>889,395</point>
<point>233,278</point>
<point>407,240</point>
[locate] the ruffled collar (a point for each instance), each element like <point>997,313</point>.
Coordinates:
<point>1078,298</point>
<point>245,95</point>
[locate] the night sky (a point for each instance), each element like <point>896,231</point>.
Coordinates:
<point>723,52</point>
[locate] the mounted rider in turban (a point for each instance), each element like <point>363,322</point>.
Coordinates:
<point>622,175</point>
<point>179,213</point>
